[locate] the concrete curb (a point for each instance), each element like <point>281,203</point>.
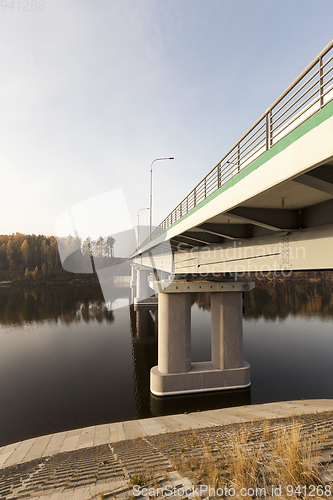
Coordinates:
<point>43,446</point>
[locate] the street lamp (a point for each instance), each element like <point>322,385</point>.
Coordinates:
<point>139,224</point>
<point>151,190</point>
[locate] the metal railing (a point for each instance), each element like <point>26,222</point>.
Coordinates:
<point>311,91</point>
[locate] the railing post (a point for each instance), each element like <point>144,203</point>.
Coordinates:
<point>187,204</point>
<point>181,210</point>
<point>269,134</point>
<point>195,197</point>
<point>269,140</point>
<point>205,187</point>
<point>321,82</point>
<point>238,156</point>
<point>219,176</point>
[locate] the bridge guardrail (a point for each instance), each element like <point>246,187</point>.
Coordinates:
<point>310,92</point>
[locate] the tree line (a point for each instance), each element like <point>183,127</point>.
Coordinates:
<point>30,257</point>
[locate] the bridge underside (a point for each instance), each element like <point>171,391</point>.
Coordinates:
<point>276,214</point>
<point>306,201</point>
<point>287,227</point>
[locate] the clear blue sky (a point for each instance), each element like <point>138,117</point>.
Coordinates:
<point>92,91</point>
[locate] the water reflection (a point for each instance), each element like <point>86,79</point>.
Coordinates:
<point>144,354</point>
<point>277,300</point>
<point>191,403</point>
<point>19,306</point>
<point>79,363</point>
<point>81,303</point>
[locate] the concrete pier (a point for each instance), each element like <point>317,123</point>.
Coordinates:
<point>140,290</point>
<point>142,286</point>
<point>174,332</point>
<point>227,330</point>
<point>133,283</point>
<point>175,373</point>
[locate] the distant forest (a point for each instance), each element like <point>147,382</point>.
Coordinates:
<point>25,257</point>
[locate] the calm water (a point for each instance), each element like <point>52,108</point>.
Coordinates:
<point>67,362</point>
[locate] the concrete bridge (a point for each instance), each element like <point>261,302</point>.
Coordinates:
<point>266,206</point>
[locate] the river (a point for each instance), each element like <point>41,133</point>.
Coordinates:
<point>66,361</point>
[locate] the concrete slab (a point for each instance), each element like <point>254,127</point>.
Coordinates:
<point>172,424</point>
<point>4,457</point>
<point>21,451</point>
<point>7,451</point>
<point>133,429</point>
<point>270,410</point>
<point>206,419</point>
<point>225,417</point>
<point>86,437</point>
<point>117,432</point>
<point>153,426</point>
<point>186,422</point>
<point>71,494</point>
<point>38,448</point>
<point>71,440</point>
<point>55,444</point>
<point>83,492</point>
<point>102,434</point>
<point>11,447</point>
<point>159,425</point>
<point>107,487</point>
<point>319,404</point>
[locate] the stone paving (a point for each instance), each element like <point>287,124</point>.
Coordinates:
<point>85,463</point>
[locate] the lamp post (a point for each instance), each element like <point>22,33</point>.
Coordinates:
<point>139,224</point>
<point>151,190</point>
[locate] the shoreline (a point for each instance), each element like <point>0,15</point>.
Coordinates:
<point>76,439</point>
<point>171,452</point>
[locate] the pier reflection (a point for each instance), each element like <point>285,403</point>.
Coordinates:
<point>171,405</point>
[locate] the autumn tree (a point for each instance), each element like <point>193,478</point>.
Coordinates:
<point>110,245</point>
<point>3,257</point>
<point>25,249</point>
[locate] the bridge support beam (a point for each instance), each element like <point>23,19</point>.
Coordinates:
<point>175,373</point>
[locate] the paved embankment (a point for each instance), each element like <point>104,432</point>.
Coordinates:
<point>86,462</point>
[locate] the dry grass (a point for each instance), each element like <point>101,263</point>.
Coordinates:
<point>280,457</point>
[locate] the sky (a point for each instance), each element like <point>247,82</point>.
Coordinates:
<point>91,92</point>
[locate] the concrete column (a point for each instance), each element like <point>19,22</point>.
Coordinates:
<point>133,284</point>
<point>227,330</point>
<point>133,275</point>
<point>142,287</point>
<point>174,332</point>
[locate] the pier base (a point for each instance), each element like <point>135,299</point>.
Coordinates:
<point>202,377</point>
<point>175,374</point>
